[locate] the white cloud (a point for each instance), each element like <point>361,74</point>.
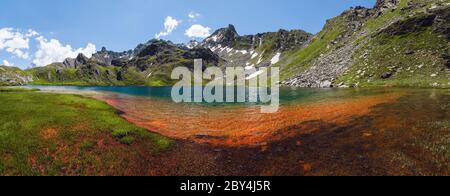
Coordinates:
<point>31,33</point>
<point>193,16</point>
<point>198,31</point>
<point>50,51</point>
<point>15,42</point>
<point>170,24</point>
<point>6,63</point>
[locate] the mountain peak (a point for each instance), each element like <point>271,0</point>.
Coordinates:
<point>224,36</point>
<point>232,28</point>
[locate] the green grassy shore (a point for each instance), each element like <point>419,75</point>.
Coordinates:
<point>56,134</point>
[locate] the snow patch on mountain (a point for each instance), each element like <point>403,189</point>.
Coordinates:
<point>275,59</point>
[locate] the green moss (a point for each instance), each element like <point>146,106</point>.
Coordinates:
<point>120,133</point>
<point>87,145</point>
<point>128,140</point>
<point>6,90</point>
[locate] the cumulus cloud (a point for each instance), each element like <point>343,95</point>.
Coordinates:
<point>6,63</point>
<point>16,42</point>
<point>193,16</point>
<point>198,31</point>
<point>170,24</point>
<point>50,51</point>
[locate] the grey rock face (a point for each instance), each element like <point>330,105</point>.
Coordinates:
<point>15,79</point>
<point>383,5</point>
<point>329,66</point>
<point>283,39</point>
<point>224,36</point>
<point>11,77</point>
<point>192,44</point>
<point>106,57</point>
<point>356,17</point>
<point>324,70</point>
<point>154,47</point>
<point>76,62</point>
<point>237,50</point>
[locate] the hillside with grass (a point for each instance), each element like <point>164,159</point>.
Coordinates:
<point>402,43</point>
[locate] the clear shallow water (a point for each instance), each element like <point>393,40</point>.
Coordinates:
<point>321,132</point>
<point>287,95</point>
<point>237,124</point>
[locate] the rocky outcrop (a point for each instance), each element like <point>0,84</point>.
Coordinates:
<point>282,40</point>
<point>75,62</point>
<point>378,49</point>
<point>225,37</point>
<point>329,66</point>
<point>436,18</point>
<point>260,50</point>
<point>382,6</point>
<point>325,70</point>
<point>154,47</point>
<point>107,57</point>
<point>11,76</point>
<point>192,44</point>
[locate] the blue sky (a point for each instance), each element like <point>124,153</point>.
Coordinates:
<point>51,25</point>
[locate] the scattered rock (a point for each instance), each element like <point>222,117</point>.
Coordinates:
<point>386,75</point>
<point>325,84</point>
<point>409,52</point>
<point>367,134</point>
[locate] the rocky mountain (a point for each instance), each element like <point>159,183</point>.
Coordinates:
<point>254,51</point>
<point>75,62</point>
<point>107,57</point>
<point>149,64</point>
<point>395,43</point>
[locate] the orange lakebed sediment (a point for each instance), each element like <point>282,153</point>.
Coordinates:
<point>238,126</point>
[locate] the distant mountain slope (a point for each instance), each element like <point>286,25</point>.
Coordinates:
<point>148,64</point>
<point>254,51</point>
<point>151,63</point>
<point>397,43</point>
<point>12,76</point>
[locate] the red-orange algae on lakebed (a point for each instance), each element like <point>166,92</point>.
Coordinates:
<point>238,125</point>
